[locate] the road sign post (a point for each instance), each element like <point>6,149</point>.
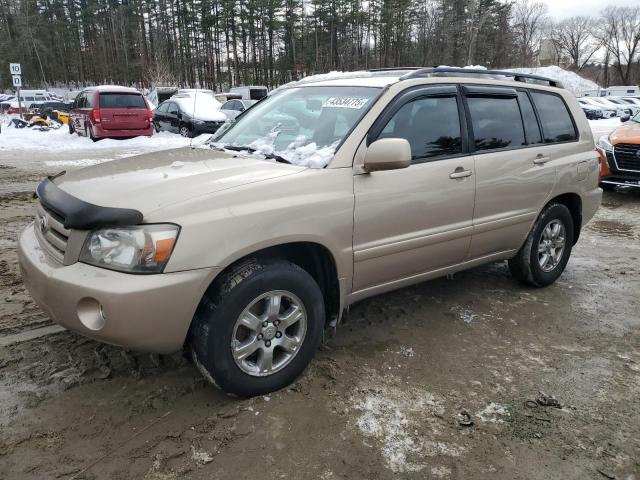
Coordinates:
<point>16,78</point>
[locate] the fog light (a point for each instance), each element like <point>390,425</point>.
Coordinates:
<point>91,314</point>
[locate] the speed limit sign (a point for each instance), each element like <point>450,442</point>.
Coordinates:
<point>17,80</point>
<point>15,69</point>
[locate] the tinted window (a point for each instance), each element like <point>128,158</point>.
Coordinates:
<point>531,127</point>
<point>162,108</point>
<point>172,108</point>
<point>227,106</point>
<point>121,100</point>
<point>557,124</point>
<point>430,124</point>
<point>496,122</point>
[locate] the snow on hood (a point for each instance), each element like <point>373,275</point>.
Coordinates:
<point>299,152</point>
<point>201,107</point>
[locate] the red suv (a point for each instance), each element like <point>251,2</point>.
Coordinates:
<point>111,112</point>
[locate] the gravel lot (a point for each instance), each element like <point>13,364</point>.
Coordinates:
<point>384,396</point>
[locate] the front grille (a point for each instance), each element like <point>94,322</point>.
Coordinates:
<point>51,232</point>
<point>627,157</point>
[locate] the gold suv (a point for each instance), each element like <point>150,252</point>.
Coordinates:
<point>328,191</point>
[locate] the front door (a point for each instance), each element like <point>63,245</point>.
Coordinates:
<point>419,219</point>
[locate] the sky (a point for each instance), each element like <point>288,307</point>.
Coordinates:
<point>561,9</point>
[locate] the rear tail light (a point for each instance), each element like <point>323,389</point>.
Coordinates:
<point>149,115</point>
<point>95,115</point>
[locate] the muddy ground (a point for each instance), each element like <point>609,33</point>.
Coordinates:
<point>381,400</point>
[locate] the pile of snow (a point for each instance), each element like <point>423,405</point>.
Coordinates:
<point>200,107</point>
<point>570,80</point>
<point>60,141</point>
<point>300,152</point>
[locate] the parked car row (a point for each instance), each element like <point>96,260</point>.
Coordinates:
<point>596,108</point>
<point>121,112</point>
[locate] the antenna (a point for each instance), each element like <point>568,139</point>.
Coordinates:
<point>193,117</point>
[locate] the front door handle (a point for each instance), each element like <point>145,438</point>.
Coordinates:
<point>541,159</point>
<point>460,173</point>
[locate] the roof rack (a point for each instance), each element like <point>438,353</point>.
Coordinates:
<point>518,77</point>
<point>392,69</point>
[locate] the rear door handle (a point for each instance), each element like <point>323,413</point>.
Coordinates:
<point>459,173</point>
<point>541,159</point>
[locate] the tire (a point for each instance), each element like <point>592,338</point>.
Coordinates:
<point>156,128</point>
<point>216,326</point>
<point>526,265</point>
<point>185,131</point>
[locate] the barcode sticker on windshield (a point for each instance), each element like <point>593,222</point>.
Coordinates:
<point>345,102</point>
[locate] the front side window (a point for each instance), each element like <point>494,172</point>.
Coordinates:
<point>496,122</point>
<point>301,125</point>
<point>172,108</point>
<point>557,125</point>
<point>431,125</point>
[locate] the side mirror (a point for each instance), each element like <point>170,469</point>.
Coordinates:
<point>387,154</point>
<point>625,118</point>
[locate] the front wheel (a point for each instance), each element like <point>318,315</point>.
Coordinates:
<point>258,328</point>
<point>547,249</point>
<point>185,131</point>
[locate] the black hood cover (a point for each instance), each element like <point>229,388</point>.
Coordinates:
<point>81,215</point>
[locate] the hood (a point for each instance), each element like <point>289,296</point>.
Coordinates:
<point>627,133</point>
<point>155,180</point>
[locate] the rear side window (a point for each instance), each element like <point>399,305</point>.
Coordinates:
<point>496,122</point>
<point>121,100</point>
<point>531,127</point>
<point>557,124</point>
<point>430,124</point>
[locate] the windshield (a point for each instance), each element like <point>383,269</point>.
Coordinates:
<point>302,125</point>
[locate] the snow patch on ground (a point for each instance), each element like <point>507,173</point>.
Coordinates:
<point>493,412</point>
<point>465,314</point>
<point>391,412</point>
<point>60,140</point>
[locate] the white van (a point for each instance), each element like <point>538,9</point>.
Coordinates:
<point>253,92</point>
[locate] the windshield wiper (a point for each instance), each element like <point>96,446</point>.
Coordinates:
<point>271,156</point>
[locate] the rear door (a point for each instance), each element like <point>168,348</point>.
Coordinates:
<point>123,111</point>
<point>515,169</point>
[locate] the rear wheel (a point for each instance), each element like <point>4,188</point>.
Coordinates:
<point>547,249</point>
<point>258,328</point>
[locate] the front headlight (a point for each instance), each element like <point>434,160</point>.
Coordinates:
<point>605,144</point>
<point>137,249</point>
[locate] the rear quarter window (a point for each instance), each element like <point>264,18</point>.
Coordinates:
<point>557,123</point>
<point>121,100</point>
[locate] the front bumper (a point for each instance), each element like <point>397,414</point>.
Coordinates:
<point>142,312</point>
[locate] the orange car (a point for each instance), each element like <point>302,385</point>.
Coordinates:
<point>620,155</point>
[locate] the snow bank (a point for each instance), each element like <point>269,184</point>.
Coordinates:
<point>201,107</point>
<point>571,80</point>
<point>60,140</point>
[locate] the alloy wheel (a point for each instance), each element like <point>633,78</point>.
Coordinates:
<point>268,333</point>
